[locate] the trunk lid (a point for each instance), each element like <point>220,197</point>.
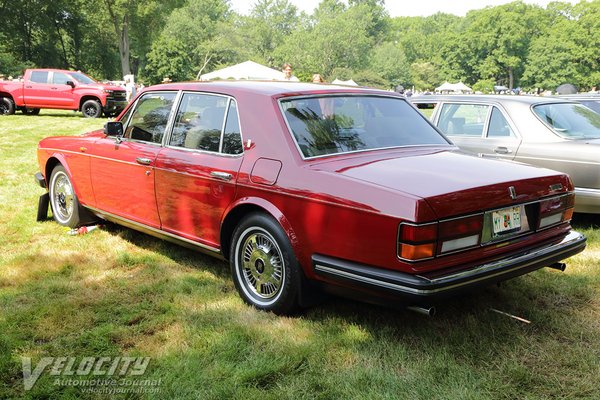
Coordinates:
<point>451,182</point>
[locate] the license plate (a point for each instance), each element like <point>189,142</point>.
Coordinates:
<point>507,220</point>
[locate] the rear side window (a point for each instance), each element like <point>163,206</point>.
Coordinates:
<point>150,117</point>
<point>572,121</point>
<point>207,122</point>
<point>39,76</point>
<point>463,119</point>
<point>341,124</point>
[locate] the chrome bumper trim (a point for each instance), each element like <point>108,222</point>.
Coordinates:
<point>528,261</point>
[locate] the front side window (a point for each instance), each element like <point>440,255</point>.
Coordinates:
<point>340,124</point>
<point>571,121</point>
<point>60,78</point>
<point>463,119</point>
<point>39,76</point>
<point>499,126</point>
<point>150,117</point>
<point>82,78</point>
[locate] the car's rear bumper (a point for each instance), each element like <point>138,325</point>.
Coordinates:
<point>421,287</point>
<point>587,200</point>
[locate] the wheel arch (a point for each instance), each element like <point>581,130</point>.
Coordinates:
<point>85,98</point>
<point>51,163</point>
<point>237,211</point>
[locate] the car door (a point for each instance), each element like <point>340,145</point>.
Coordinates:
<point>62,93</point>
<point>481,129</point>
<point>123,170</point>
<point>37,92</point>
<point>196,172</point>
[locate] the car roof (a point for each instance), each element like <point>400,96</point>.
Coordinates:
<point>269,88</point>
<point>504,99</point>
<point>580,96</point>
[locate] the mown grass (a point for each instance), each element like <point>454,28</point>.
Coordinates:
<point>115,292</point>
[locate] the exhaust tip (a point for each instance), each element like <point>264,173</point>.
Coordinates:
<point>428,311</point>
<point>559,266</point>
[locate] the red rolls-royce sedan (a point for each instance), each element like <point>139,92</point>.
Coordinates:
<point>301,185</point>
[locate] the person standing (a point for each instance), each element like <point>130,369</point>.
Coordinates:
<point>287,71</point>
<point>317,78</point>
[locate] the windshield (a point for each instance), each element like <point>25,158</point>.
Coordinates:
<point>82,78</point>
<point>340,124</point>
<point>571,121</point>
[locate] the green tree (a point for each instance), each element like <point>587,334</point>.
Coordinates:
<point>388,60</point>
<point>190,42</point>
<point>335,36</point>
<point>425,76</point>
<point>497,40</point>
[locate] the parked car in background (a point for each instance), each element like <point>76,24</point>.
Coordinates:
<point>590,100</point>
<point>547,132</point>
<point>303,185</point>
<point>63,90</point>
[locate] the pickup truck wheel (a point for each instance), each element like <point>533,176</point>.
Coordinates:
<point>31,111</point>
<point>91,109</point>
<point>7,106</point>
<point>263,265</point>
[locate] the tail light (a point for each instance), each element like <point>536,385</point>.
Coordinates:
<point>556,210</point>
<point>421,242</point>
<point>417,242</point>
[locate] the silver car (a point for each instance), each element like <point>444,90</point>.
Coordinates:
<point>587,99</point>
<point>553,133</point>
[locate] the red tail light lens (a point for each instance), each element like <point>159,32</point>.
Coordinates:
<point>419,242</point>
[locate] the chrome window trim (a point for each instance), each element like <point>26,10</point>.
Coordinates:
<point>506,115</point>
<point>231,99</point>
<point>353,94</point>
<point>134,107</point>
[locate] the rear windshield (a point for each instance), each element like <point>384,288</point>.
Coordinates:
<point>571,121</point>
<point>341,124</point>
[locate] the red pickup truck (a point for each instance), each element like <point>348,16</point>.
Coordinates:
<point>60,89</point>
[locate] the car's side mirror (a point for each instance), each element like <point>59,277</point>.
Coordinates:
<point>71,83</point>
<point>114,129</point>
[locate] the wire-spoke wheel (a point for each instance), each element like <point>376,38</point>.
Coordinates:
<point>263,265</point>
<point>66,209</point>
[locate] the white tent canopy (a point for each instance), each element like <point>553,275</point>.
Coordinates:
<point>349,82</point>
<point>453,88</point>
<point>246,70</point>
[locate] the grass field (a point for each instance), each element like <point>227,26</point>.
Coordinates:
<point>115,292</point>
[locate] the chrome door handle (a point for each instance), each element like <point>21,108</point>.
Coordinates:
<point>143,161</point>
<point>502,150</point>
<point>221,175</point>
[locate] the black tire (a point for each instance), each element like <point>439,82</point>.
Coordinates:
<point>7,106</point>
<point>31,111</point>
<point>91,109</point>
<point>264,267</point>
<point>66,209</point>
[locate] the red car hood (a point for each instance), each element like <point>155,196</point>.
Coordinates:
<point>452,183</point>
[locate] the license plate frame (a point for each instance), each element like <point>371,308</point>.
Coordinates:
<point>506,220</point>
